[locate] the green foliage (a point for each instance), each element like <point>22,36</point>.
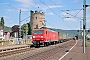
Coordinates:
<point>37,26</point>
<point>29,29</point>
<point>70,32</point>
<point>7,28</point>
<point>88,38</point>
<point>2,41</point>
<point>2,22</point>
<point>23,28</point>
<point>26,28</point>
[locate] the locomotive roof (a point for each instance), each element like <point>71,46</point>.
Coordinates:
<point>46,29</point>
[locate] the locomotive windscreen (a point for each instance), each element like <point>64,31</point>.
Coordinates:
<point>38,31</point>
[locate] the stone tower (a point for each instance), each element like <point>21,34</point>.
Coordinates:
<point>37,19</point>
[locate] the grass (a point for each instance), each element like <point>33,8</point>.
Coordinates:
<point>2,41</point>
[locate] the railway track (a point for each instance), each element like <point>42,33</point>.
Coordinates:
<point>15,51</point>
<point>48,53</point>
<point>36,53</point>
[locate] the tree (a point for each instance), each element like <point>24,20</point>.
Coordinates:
<point>2,22</point>
<point>37,26</point>
<point>29,29</point>
<point>23,28</point>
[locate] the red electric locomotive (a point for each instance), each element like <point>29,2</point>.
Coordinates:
<point>44,36</point>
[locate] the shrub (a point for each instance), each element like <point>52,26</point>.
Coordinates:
<point>2,41</point>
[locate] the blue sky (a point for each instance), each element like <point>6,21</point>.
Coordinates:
<point>55,12</point>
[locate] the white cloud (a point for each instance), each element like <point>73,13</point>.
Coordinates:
<point>5,16</point>
<point>23,9</point>
<point>74,14</point>
<point>70,19</point>
<point>76,0</point>
<point>54,6</point>
<point>50,13</point>
<point>25,3</point>
<point>11,10</point>
<point>88,21</point>
<point>10,21</point>
<point>3,3</point>
<point>45,8</point>
<point>68,28</point>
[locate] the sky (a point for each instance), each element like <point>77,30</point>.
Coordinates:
<point>62,14</point>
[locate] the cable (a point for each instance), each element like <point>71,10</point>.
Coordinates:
<point>53,11</point>
<point>50,23</point>
<point>25,18</point>
<point>71,14</point>
<point>9,5</point>
<point>71,9</point>
<point>78,12</point>
<point>49,8</point>
<point>29,4</point>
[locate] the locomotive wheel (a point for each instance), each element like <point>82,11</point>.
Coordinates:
<point>47,44</point>
<point>54,42</point>
<point>44,44</point>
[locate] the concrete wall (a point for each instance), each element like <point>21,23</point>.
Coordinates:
<point>14,42</point>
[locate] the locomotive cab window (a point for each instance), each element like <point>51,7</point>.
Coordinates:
<point>38,31</point>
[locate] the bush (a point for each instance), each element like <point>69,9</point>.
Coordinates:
<point>2,41</point>
<point>88,38</point>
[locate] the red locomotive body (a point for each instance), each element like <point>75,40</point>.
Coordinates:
<point>44,36</point>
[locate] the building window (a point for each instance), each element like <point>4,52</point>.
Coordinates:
<point>36,17</point>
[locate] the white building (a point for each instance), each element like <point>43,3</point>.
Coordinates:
<point>1,33</point>
<point>88,35</point>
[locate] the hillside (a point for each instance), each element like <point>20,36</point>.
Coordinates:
<point>70,32</point>
<point>7,28</point>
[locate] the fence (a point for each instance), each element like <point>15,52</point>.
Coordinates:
<point>14,42</point>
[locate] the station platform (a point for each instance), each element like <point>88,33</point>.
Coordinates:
<point>77,52</point>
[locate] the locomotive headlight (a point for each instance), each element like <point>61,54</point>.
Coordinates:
<point>33,36</point>
<point>41,36</point>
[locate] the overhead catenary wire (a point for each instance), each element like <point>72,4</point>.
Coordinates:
<point>72,15</point>
<point>60,10</point>
<point>14,8</point>
<point>51,23</point>
<point>29,4</point>
<point>21,10</point>
<point>69,10</point>
<point>54,12</point>
<point>79,11</point>
<point>49,18</point>
<point>9,5</point>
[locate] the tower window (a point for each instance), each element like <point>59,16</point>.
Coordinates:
<point>36,17</point>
